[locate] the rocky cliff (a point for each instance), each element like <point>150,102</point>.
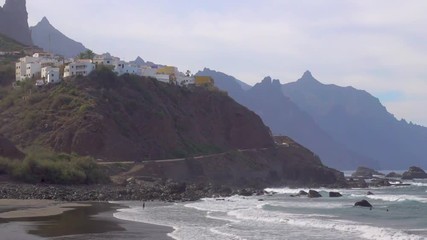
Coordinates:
<point>129,119</point>
<point>46,36</point>
<point>14,21</point>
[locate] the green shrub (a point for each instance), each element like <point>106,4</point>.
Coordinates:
<point>42,166</point>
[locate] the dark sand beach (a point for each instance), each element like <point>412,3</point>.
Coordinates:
<point>19,220</point>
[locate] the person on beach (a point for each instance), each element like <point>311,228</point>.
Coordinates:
<point>143,205</point>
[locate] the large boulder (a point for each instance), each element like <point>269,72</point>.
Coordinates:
<point>9,150</point>
<point>335,194</point>
<point>302,193</point>
<point>414,172</point>
<point>363,203</point>
<point>314,194</point>
<point>380,183</point>
<point>364,172</point>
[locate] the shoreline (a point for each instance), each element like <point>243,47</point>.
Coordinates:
<point>40,219</point>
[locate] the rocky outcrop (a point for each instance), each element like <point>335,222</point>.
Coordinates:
<point>14,21</point>
<point>9,150</point>
<point>46,36</point>
<point>335,194</point>
<point>363,203</point>
<point>357,183</point>
<point>364,172</point>
<point>313,194</point>
<point>414,172</point>
<point>379,182</point>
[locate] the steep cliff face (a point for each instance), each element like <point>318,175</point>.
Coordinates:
<point>14,21</point>
<point>46,36</point>
<point>130,119</point>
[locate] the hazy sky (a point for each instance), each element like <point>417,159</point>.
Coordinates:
<point>379,46</point>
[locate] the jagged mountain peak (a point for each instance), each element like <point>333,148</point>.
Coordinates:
<point>268,81</point>
<point>307,78</point>
<point>139,61</point>
<point>44,21</point>
<point>46,36</point>
<point>14,21</point>
<point>15,6</point>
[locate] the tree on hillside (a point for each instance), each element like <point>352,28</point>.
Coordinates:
<point>88,54</point>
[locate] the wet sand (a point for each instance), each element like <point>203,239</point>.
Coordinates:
<point>72,221</point>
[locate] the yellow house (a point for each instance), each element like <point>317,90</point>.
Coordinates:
<point>168,70</point>
<point>205,81</point>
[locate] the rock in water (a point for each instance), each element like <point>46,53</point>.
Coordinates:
<point>364,172</point>
<point>335,194</point>
<point>363,203</point>
<point>414,172</point>
<point>314,194</point>
<point>369,193</point>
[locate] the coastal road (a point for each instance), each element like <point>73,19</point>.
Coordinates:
<point>100,162</point>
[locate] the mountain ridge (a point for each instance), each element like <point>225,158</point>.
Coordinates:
<point>359,120</point>
<point>285,118</point>
<point>46,36</point>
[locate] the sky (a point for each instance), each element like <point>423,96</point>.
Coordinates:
<point>379,46</point>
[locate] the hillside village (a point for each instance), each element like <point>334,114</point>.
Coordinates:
<point>47,68</point>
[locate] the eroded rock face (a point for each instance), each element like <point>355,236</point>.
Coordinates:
<point>14,21</point>
<point>414,172</point>
<point>8,149</point>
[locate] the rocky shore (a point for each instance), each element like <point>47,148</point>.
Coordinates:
<point>168,191</point>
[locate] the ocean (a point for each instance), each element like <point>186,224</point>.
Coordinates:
<point>398,213</point>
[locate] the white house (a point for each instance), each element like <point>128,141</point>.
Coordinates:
<point>105,59</point>
<point>81,67</point>
<point>184,80</point>
<point>33,70</point>
<point>21,67</point>
<point>50,74</point>
<point>30,67</point>
<point>122,67</point>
